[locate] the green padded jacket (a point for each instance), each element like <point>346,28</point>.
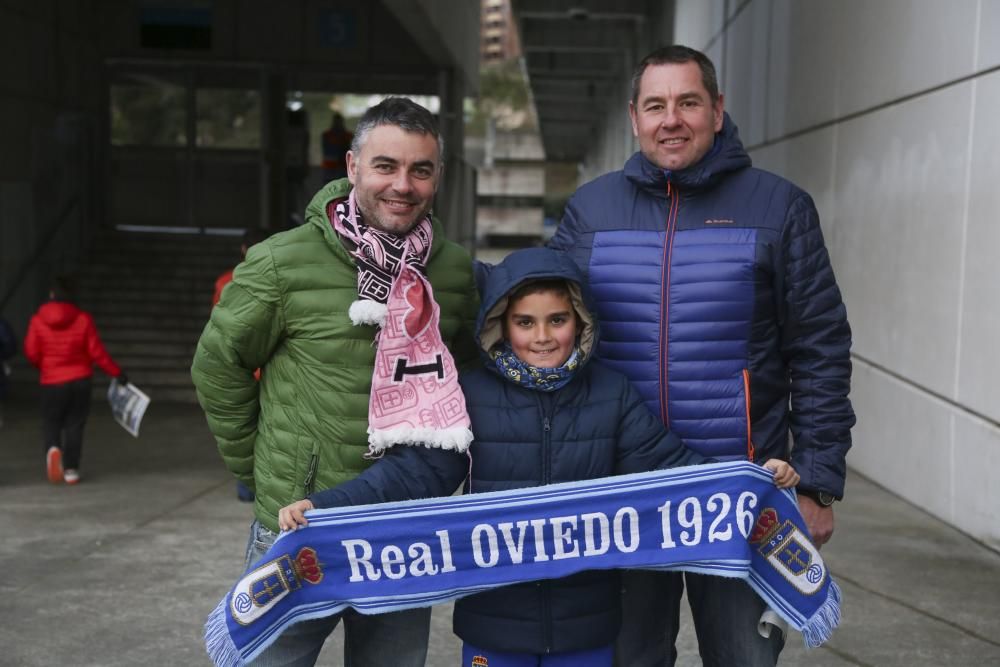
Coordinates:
<point>303,426</point>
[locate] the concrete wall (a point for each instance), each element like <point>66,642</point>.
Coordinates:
<point>886,113</point>
<point>49,127</point>
<point>513,179</point>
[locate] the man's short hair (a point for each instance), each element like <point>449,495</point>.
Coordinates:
<point>676,54</point>
<point>402,112</point>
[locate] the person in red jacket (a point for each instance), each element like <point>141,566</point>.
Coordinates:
<point>336,141</point>
<point>62,342</point>
<point>251,237</point>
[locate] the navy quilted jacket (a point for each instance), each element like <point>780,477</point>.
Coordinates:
<point>595,426</point>
<point>717,299</point>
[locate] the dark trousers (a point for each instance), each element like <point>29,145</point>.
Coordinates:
<point>725,611</point>
<point>64,414</point>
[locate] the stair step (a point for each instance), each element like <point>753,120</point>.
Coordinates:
<point>156,395</point>
<point>166,335</point>
<point>157,309</point>
<point>128,294</point>
<point>148,281</point>
<point>154,349</point>
<point>121,262</point>
<point>129,320</point>
<point>144,364</point>
<point>150,295</point>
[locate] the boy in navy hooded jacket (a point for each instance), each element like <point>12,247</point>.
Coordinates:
<point>544,412</point>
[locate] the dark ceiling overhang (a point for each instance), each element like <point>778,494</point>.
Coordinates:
<point>577,54</point>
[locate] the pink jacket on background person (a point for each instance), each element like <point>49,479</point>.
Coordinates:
<point>62,342</point>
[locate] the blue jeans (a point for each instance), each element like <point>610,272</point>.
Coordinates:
<point>398,638</point>
<point>725,612</point>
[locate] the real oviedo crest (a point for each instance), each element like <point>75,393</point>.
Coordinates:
<point>261,588</point>
<point>789,552</point>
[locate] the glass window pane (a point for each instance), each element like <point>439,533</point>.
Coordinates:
<point>227,118</point>
<point>147,112</point>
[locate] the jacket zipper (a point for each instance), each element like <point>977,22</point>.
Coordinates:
<point>668,249</point>
<point>746,397</point>
<point>544,592</point>
<point>546,450</point>
<point>311,475</point>
<point>545,404</point>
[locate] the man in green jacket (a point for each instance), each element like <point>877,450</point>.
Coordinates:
<point>300,308</point>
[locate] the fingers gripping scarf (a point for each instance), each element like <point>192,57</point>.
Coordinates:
<point>415,397</point>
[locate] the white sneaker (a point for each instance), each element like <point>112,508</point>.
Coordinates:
<point>71,476</point>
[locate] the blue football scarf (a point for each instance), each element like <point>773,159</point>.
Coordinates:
<point>725,519</point>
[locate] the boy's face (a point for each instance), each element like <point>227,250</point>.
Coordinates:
<point>541,328</point>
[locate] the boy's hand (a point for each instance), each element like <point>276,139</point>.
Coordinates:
<point>784,474</point>
<point>293,516</point>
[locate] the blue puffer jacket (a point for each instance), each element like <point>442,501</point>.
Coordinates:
<point>717,299</point>
<point>594,426</point>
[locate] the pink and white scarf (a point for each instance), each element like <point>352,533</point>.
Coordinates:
<point>415,397</point>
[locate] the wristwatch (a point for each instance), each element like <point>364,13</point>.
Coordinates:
<point>821,497</point>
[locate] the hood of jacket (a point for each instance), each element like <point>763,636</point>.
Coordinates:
<point>58,314</point>
<point>727,155</point>
<point>528,265</point>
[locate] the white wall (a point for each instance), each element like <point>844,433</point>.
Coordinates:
<point>886,113</point>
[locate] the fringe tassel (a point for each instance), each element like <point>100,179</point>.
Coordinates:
<point>819,628</point>
<point>218,643</point>
<point>457,439</point>
<point>366,311</point>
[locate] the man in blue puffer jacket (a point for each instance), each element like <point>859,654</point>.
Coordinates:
<point>717,299</point>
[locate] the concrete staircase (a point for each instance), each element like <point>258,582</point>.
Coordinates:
<point>150,295</point>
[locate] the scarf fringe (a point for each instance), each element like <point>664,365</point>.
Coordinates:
<point>366,311</point>
<point>218,642</point>
<point>457,438</point>
<point>819,628</point>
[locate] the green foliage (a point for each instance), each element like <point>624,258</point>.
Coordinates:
<point>503,98</point>
<point>502,86</point>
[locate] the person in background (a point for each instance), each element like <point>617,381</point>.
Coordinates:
<point>717,294</point>
<point>62,342</point>
<point>576,420</point>
<point>336,141</point>
<point>251,237</point>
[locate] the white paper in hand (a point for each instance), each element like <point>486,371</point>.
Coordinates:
<point>128,405</point>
